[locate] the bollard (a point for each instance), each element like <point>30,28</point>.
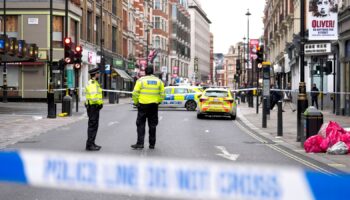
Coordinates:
<point>117,98</point>
<point>67,105</point>
<point>52,107</point>
<point>257,104</point>
<point>264,120</point>
<point>111,97</point>
<point>279,119</point>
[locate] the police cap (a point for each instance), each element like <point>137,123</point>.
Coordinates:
<point>94,71</point>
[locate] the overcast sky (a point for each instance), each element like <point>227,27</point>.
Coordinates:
<point>229,22</point>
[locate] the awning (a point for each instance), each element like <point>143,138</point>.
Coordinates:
<point>123,74</point>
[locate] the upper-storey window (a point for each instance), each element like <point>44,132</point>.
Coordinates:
<point>11,25</point>
<point>157,5</point>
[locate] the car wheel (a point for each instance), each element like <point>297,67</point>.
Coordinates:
<point>199,116</point>
<point>233,117</point>
<point>191,105</point>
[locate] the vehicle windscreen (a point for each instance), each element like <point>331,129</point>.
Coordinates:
<point>216,93</point>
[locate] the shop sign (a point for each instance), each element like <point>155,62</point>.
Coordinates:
<point>118,62</point>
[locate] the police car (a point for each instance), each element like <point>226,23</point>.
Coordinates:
<point>181,97</point>
<point>217,101</point>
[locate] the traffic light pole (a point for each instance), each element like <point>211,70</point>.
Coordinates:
<point>4,72</point>
<point>76,90</point>
<point>51,107</point>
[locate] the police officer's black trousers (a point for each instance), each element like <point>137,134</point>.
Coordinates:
<point>93,112</point>
<point>149,112</point>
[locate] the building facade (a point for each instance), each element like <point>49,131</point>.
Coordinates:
<point>200,41</point>
<point>230,60</point>
<point>179,41</point>
<point>160,37</point>
<point>282,41</point>
<point>30,20</point>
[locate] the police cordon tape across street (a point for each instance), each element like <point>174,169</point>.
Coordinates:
<point>181,179</point>
<point>234,90</point>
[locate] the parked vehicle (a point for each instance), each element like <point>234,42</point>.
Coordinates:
<point>217,101</point>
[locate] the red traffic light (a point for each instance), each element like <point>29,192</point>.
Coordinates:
<point>78,49</point>
<point>67,41</point>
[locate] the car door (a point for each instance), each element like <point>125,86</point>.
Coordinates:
<point>169,97</point>
<point>180,97</point>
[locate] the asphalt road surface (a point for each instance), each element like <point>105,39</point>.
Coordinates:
<point>180,135</point>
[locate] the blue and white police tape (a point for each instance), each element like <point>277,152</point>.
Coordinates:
<point>168,178</point>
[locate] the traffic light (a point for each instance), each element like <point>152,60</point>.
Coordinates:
<point>22,48</point>
<point>32,51</point>
<point>260,54</point>
<point>238,66</point>
<point>68,53</point>
<point>4,44</point>
<point>77,56</point>
<point>328,68</point>
<point>13,48</point>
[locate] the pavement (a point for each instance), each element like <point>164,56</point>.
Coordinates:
<point>20,121</point>
<point>23,120</point>
<point>251,119</point>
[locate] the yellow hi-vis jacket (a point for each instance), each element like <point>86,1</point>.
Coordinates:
<point>147,90</point>
<point>93,93</point>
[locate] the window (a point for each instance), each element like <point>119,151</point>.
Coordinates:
<point>114,7</point>
<point>73,32</point>
<point>157,22</point>
<point>114,39</point>
<point>157,42</point>
<point>11,25</point>
<point>98,29</point>
<point>180,91</point>
<point>164,6</point>
<point>57,33</point>
<point>89,26</point>
<point>168,90</point>
<point>216,93</point>
<point>174,12</point>
<point>157,5</point>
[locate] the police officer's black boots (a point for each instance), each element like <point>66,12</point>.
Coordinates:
<point>137,146</point>
<point>92,148</point>
<point>98,146</point>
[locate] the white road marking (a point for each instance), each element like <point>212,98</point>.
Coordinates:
<point>160,118</point>
<point>112,123</point>
<point>226,154</point>
<point>207,131</point>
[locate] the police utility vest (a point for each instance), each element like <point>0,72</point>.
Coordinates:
<point>147,90</point>
<point>93,92</point>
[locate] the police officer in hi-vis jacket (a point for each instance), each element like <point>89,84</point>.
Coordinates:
<point>93,104</point>
<point>147,95</point>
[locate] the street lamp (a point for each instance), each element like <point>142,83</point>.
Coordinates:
<point>244,61</point>
<point>147,41</point>
<point>302,98</point>
<point>250,80</point>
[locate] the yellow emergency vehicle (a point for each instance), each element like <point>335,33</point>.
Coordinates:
<point>217,101</point>
<point>181,97</point>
